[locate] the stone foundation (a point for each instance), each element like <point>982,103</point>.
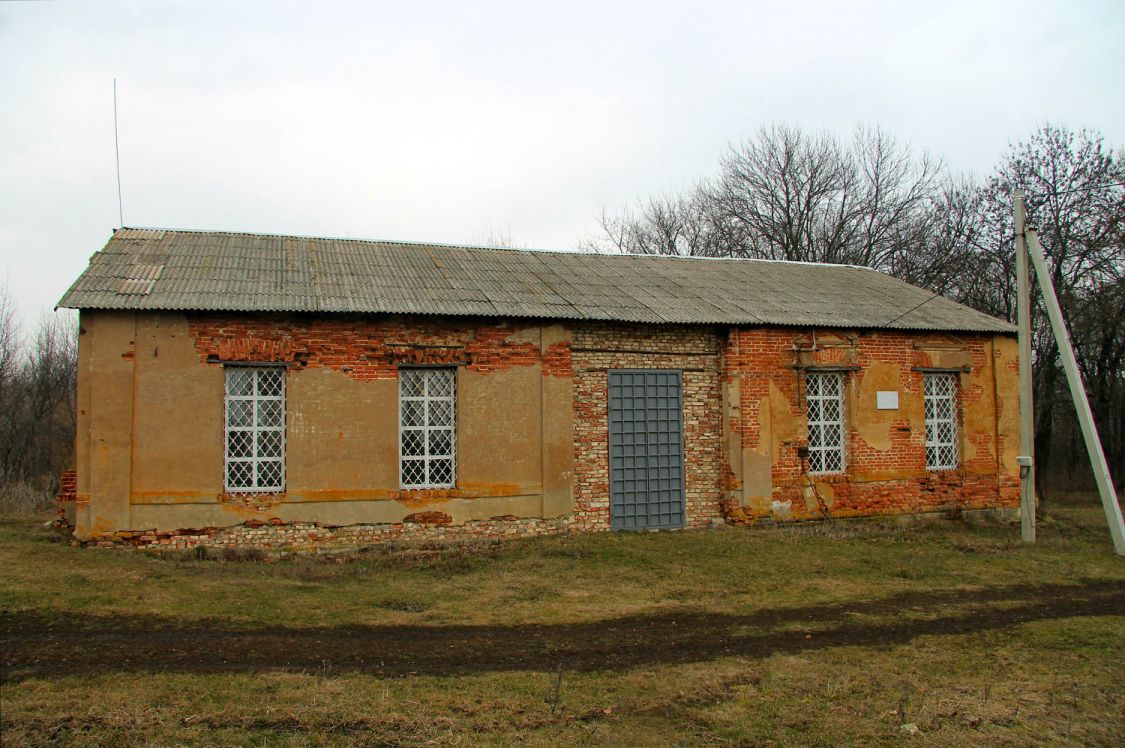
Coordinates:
<point>310,537</point>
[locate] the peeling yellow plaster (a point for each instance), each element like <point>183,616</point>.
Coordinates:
<point>758,480</point>
<point>531,335</point>
<point>765,428</point>
<point>980,417</point>
<point>1008,403</point>
<point>872,424</point>
<point>783,424</point>
<point>947,359</point>
<point>810,491</point>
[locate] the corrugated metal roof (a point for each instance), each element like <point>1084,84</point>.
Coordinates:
<point>224,271</point>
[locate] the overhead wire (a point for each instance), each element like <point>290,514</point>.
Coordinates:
<point>1091,188</point>
<point>1104,186</point>
<point>911,309</point>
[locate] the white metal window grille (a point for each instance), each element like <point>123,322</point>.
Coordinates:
<point>941,420</point>
<point>824,398</point>
<point>427,429</point>
<point>255,429</point>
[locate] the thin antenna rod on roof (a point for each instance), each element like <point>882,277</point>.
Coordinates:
<point>117,157</point>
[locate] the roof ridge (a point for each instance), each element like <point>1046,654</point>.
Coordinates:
<point>482,247</point>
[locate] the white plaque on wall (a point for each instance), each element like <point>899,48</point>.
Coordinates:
<point>886,400</point>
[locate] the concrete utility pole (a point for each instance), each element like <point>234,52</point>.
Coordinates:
<point>1078,394</point>
<point>1026,457</point>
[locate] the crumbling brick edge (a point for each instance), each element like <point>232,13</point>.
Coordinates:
<point>66,499</point>
<point>736,515</point>
<point>312,537</point>
<point>276,536</point>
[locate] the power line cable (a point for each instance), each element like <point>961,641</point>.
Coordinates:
<point>911,309</point>
<point>1105,186</point>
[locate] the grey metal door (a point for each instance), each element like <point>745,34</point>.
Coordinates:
<point>646,449</point>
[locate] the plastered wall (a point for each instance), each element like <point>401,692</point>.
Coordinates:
<point>151,433</point>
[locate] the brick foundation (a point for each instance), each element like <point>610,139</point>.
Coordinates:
<point>310,537</point>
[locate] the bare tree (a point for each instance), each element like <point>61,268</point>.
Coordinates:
<point>787,195</point>
<point>494,236</point>
<point>37,405</point>
<point>9,379</point>
<point>783,195</point>
<point>683,225</point>
<point>896,193</point>
<point>940,253</point>
<point>1076,197</point>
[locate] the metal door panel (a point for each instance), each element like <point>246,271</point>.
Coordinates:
<point>646,449</point>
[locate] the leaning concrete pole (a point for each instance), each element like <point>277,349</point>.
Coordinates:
<point>1027,405</point>
<point>1078,395</point>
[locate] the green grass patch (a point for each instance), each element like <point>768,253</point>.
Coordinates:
<point>832,634</point>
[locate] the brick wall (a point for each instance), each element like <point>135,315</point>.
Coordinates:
<point>886,477</point>
<point>68,487</point>
<point>364,348</point>
<point>694,350</point>
<point>67,498</point>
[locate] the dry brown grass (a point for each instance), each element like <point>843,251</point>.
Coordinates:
<point>24,499</point>
<point>832,635</point>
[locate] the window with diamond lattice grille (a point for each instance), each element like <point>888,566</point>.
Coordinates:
<point>255,428</point>
<point>941,420</point>
<point>427,428</point>
<point>824,399</point>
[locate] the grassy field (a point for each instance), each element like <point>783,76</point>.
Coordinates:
<point>828,634</point>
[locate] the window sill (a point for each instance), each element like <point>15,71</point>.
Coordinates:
<point>252,498</point>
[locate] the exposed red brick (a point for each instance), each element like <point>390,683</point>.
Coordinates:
<point>557,360</point>
<point>367,349</point>
<point>68,487</point>
<point>429,518</point>
<point>765,359</point>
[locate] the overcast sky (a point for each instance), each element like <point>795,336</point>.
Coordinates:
<point>449,122</point>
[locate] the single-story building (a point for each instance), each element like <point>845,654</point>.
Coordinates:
<point>236,387</point>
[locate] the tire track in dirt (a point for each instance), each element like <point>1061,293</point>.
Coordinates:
<point>44,645</point>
